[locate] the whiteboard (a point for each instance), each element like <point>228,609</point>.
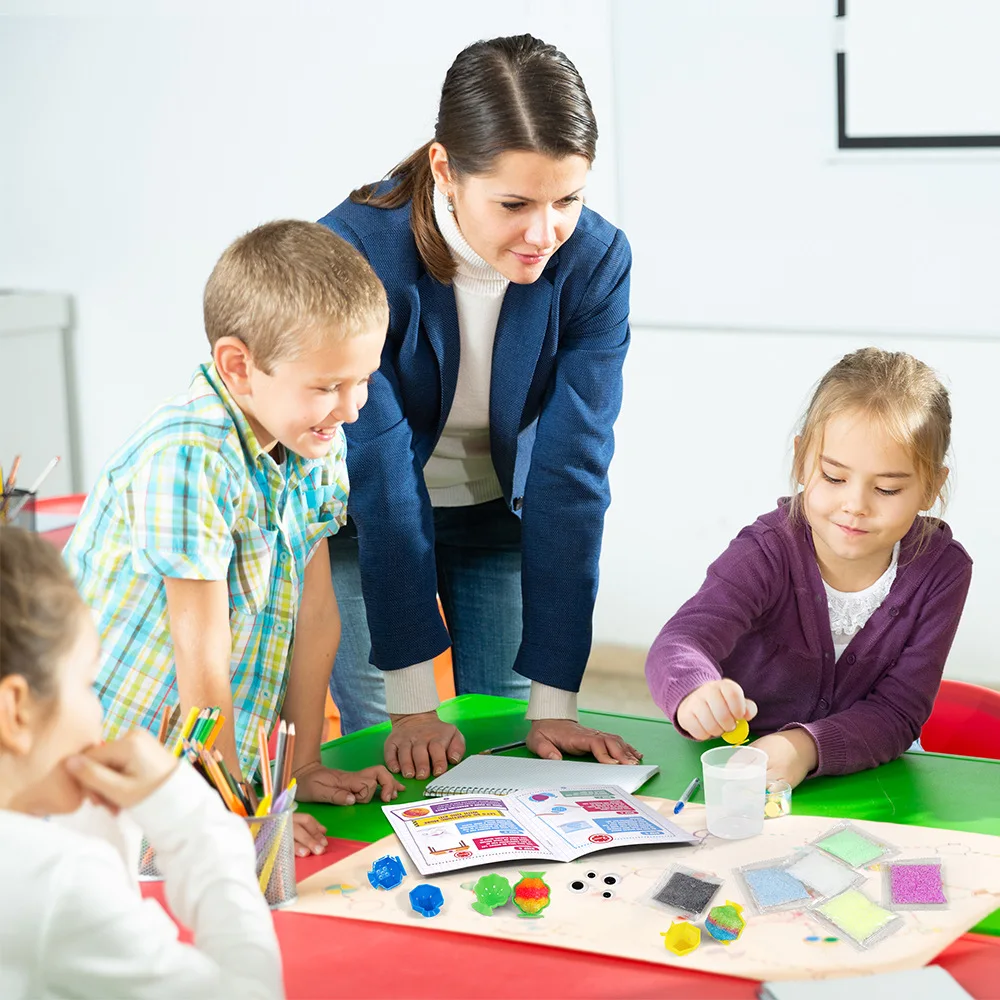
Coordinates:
<point>742,212</point>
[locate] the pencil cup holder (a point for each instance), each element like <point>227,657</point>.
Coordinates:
<point>274,842</point>
<point>148,872</point>
<point>18,507</point>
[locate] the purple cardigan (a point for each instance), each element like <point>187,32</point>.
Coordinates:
<point>761,618</point>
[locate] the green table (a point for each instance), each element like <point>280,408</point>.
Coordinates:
<point>922,789</point>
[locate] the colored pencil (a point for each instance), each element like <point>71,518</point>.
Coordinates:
<point>286,773</point>
<point>279,757</point>
<point>185,729</point>
<point>164,724</point>
<point>265,760</point>
<point>211,737</point>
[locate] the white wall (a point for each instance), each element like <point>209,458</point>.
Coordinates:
<point>743,220</point>
<point>143,145</point>
<point>137,147</point>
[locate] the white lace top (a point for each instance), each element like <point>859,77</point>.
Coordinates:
<point>849,612</point>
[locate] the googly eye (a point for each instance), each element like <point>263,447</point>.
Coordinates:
<point>578,885</point>
<point>591,875</point>
<point>607,894</point>
<point>611,879</point>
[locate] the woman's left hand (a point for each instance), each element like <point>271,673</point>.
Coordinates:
<point>550,737</point>
<point>791,755</point>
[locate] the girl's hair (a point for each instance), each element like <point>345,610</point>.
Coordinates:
<point>505,94</point>
<point>39,609</point>
<point>899,395</point>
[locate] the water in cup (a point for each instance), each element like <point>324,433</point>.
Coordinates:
<point>734,791</point>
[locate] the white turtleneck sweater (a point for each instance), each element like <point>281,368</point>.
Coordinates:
<point>460,471</point>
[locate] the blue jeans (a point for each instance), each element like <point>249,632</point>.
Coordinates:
<point>478,555</point>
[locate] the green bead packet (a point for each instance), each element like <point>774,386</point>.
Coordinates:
<point>855,847</point>
<point>856,917</point>
<point>683,891</point>
<point>914,884</point>
<point>769,888</point>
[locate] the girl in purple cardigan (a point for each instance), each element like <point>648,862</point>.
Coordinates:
<point>828,621</point>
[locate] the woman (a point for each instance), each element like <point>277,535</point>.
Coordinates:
<point>479,469</point>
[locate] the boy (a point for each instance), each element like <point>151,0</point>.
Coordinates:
<point>203,545</point>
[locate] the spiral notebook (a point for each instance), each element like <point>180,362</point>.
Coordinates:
<point>487,775</point>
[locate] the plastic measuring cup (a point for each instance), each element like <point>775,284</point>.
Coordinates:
<point>734,780</point>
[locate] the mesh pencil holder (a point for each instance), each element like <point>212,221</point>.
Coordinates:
<point>18,507</point>
<point>148,872</point>
<point>274,843</point>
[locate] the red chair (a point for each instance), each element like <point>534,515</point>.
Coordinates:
<point>965,720</point>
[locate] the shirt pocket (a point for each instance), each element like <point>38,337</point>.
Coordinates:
<point>250,567</point>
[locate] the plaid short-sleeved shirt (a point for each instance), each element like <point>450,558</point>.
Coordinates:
<point>191,495</point>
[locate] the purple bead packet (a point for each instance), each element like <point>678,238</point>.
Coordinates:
<point>914,884</point>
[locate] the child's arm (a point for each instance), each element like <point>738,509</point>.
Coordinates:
<point>198,612</point>
<point>686,655</point>
<point>102,939</point>
<point>883,724</point>
<point>317,633</point>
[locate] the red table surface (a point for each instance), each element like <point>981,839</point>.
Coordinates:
<point>330,957</point>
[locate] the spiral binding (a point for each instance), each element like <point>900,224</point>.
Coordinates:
<point>470,790</point>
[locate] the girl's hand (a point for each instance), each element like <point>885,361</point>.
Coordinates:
<point>791,755</point>
<point>713,709</point>
<point>123,772</point>
<point>309,835</point>
<point>317,783</point>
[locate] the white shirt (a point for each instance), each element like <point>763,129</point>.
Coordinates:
<point>460,471</point>
<point>850,611</point>
<point>75,925</point>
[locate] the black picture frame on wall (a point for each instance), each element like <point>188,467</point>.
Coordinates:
<point>845,141</point>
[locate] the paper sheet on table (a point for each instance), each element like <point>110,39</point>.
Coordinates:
<point>773,947</point>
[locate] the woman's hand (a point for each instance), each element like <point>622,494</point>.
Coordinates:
<point>713,709</point>
<point>791,755</point>
<point>421,745</point>
<point>316,783</point>
<point>121,773</point>
<point>548,737</point>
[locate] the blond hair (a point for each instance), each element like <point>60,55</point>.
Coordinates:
<point>284,286</point>
<point>900,396</point>
<point>39,610</point>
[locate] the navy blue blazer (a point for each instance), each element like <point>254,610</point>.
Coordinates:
<point>555,392</point>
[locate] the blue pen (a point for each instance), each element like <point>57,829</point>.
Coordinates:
<point>688,792</point>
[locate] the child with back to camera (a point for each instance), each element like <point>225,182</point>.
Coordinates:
<point>828,620</point>
<point>73,922</point>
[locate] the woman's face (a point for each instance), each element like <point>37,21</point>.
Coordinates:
<point>516,217</point>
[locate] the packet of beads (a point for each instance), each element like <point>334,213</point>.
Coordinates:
<point>855,847</point>
<point>684,891</point>
<point>824,875</point>
<point>769,886</point>
<point>913,885</point>
<point>863,922</point>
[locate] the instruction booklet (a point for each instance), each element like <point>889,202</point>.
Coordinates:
<point>560,824</point>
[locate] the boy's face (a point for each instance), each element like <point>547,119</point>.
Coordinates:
<point>302,404</point>
<point>70,724</point>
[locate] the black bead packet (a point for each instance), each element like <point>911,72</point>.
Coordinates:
<point>683,891</point>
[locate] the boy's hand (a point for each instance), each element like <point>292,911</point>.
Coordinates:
<point>309,833</point>
<point>547,737</point>
<point>791,755</point>
<point>420,745</point>
<point>713,709</point>
<point>123,772</point>
<point>317,783</point>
